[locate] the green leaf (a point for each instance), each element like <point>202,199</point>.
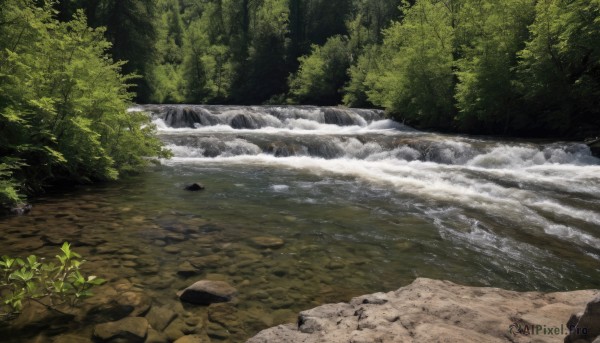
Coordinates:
<point>66,249</point>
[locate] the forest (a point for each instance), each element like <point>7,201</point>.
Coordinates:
<point>69,69</point>
<point>517,67</point>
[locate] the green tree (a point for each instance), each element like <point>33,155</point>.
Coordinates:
<point>130,27</point>
<point>63,103</point>
<point>560,68</point>
<point>414,76</point>
<point>492,33</point>
<point>322,74</point>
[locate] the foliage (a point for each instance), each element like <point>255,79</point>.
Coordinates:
<point>51,284</point>
<point>414,74</point>
<point>322,74</point>
<point>492,34</point>
<point>63,104</point>
<point>559,69</point>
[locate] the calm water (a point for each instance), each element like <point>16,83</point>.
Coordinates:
<point>362,204</point>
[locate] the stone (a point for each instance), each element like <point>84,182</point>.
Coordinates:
<point>206,292</point>
<point>205,261</point>
<point>194,187</point>
<point>217,331</point>
<point>224,314</point>
<point>35,316</point>
<point>186,269</point>
<point>160,317</point>
<point>265,242</point>
<point>175,330</point>
<point>156,337</point>
<point>172,249</point>
<point>139,302</point>
<point>130,329</point>
<point>193,339</point>
<point>585,326</point>
<point>69,338</point>
<point>433,311</point>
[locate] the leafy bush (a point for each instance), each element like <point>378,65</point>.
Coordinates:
<point>63,104</point>
<point>51,284</point>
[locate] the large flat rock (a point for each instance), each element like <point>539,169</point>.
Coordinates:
<point>436,311</point>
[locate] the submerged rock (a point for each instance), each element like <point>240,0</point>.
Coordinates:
<point>21,209</point>
<point>194,187</point>
<point>160,317</point>
<point>207,292</point>
<point>431,311</point>
<point>267,242</point>
<point>131,329</point>
<point>193,339</point>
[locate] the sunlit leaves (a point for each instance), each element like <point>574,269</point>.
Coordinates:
<point>63,104</point>
<point>50,283</point>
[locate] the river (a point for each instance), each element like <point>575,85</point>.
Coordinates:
<point>360,204</point>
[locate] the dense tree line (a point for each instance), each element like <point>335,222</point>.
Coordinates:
<point>63,104</point>
<point>521,67</point>
<point>489,66</point>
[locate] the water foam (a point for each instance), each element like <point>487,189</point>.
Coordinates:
<point>514,184</point>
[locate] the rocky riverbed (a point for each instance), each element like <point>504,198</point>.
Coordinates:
<point>440,311</point>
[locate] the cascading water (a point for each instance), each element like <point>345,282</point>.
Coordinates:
<point>355,204</point>
<point>516,203</point>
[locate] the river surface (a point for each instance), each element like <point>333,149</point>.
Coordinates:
<point>360,203</point>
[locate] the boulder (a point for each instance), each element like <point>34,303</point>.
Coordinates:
<point>194,187</point>
<point>585,327</point>
<point>131,329</point>
<point>207,292</point>
<point>433,311</point>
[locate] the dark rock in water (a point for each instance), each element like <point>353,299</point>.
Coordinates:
<point>183,117</point>
<point>338,117</point>
<point>585,327</point>
<point>116,307</point>
<point>194,187</point>
<point>594,145</point>
<point>207,292</point>
<point>242,121</point>
<point>281,149</point>
<point>21,209</point>
<point>131,329</point>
